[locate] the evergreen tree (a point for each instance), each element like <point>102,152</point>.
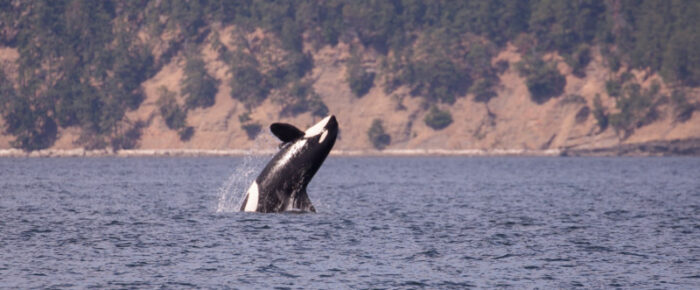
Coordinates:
<point>197,86</point>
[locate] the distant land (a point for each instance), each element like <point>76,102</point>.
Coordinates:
<point>473,78</point>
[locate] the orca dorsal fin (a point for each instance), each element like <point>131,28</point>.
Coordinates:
<point>286,132</point>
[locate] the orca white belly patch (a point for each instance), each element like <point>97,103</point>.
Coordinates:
<point>253,194</point>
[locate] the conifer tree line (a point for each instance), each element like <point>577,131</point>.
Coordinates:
<point>82,62</point>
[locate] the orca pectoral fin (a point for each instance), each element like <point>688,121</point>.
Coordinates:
<point>286,132</point>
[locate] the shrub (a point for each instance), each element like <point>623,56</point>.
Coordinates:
<point>543,79</point>
<point>302,98</point>
<point>36,131</point>
<point>173,115</point>
<point>502,66</point>
<point>248,84</point>
<point>197,86</point>
<point>360,80</point>
<point>613,87</point>
<point>91,141</point>
<point>599,113</point>
<point>483,90</point>
<point>442,65</point>
<point>579,59</point>
<point>439,79</point>
<point>637,107</point>
<point>251,129</point>
<point>525,43</point>
<point>572,99</point>
<point>614,62</point>
<point>360,83</point>
<point>129,138</point>
<point>438,119</point>
<point>243,118</point>
<point>316,106</point>
<point>582,114</point>
<point>682,109</point>
<point>377,136</point>
<point>186,133</point>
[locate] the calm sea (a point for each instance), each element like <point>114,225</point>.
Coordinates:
<point>434,222</point>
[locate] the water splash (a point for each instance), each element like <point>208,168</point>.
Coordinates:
<point>232,192</point>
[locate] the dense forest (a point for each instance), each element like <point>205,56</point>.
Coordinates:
<point>81,62</point>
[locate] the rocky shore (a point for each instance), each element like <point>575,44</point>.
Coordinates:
<point>687,147</point>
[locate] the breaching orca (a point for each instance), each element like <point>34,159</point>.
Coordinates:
<point>281,186</point>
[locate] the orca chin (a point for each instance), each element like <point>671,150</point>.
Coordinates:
<point>281,186</point>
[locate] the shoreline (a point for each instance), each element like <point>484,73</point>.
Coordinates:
<point>688,147</point>
<point>57,153</point>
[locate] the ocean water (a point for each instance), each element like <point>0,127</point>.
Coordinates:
<point>433,222</point>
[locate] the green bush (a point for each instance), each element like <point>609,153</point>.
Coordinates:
<point>442,65</point>
<point>377,136</point>
<point>360,80</point>
<point>28,121</point>
<point>175,117</point>
<point>33,131</point>
<point>438,119</point>
<point>582,114</point>
<point>682,109</point>
<point>613,87</point>
<point>361,83</point>
<point>186,133</point>
<point>599,113</point>
<point>316,106</point>
<point>483,90</point>
<point>637,107</point>
<point>248,84</point>
<point>302,98</point>
<point>128,139</point>
<point>614,62</point>
<point>439,80</point>
<point>502,66</point>
<point>543,80</point>
<point>573,99</point>
<point>251,129</point>
<point>245,117</point>
<point>579,59</point>
<point>197,86</point>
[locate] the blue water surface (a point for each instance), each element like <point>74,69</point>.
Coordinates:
<point>435,222</point>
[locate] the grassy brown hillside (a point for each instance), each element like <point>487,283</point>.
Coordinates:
<point>510,120</point>
<point>584,77</point>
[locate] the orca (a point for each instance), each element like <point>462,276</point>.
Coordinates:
<point>281,186</point>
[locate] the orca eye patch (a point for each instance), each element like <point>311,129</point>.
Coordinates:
<point>323,136</point>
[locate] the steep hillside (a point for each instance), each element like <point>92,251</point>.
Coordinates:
<point>510,120</point>
<point>590,77</point>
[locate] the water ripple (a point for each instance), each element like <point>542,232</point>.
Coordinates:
<point>446,223</point>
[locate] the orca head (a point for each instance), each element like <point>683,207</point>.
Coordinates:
<point>309,147</point>
<point>323,133</point>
